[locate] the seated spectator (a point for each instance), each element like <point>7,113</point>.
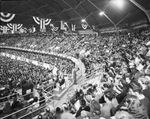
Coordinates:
<point>108,105</point>
<point>48,114</point>
<point>16,104</point>
<point>7,107</point>
<point>135,107</point>
<point>58,113</point>
<point>81,108</point>
<point>35,103</point>
<point>40,116</point>
<point>137,91</point>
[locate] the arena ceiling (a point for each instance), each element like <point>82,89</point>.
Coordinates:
<point>72,11</point>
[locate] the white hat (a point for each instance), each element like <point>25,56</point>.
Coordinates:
<point>148,43</point>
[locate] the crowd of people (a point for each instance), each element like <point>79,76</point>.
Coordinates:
<point>15,74</point>
<point>64,65</point>
<point>122,92</point>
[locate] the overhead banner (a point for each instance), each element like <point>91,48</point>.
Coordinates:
<point>6,17</point>
<point>84,25</point>
<point>53,28</point>
<point>63,25</point>
<point>42,22</point>
<point>4,29</point>
<point>14,27</point>
<point>73,27</point>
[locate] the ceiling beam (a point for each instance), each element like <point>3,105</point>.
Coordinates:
<point>100,11</point>
<point>123,19</point>
<point>42,7</point>
<point>72,8</point>
<point>90,14</point>
<point>76,11</point>
<point>41,15</point>
<point>72,19</point>
<point>79,4</point>
<point>10,10</point>
<point>65,10</point>
<point>50,14</point>
<point>54,9</point>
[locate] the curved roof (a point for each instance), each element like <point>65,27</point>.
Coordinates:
<point>72,11</point>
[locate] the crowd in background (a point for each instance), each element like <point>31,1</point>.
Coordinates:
<point>15,74</point>
<point>122,92</point>
<point>64,65</point>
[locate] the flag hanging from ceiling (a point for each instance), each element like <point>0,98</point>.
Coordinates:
<point>73,27</point>
<point>4,29</point>
<point>84,25</point>
<point>63,25</point>
<point>53,28</point>
<point>6,17</point>
<point>42,22</point>
<point>14,27</point>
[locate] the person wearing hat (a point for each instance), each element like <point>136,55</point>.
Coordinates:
<point>137,91</point>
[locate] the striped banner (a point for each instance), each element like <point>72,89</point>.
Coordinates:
<point>42,22</point>
<point>54,29</point>
<point>84,25</point>
<point>6,17</point>
<point>14,27</point>
<point>4,29</point>
<point>73,27</point>
<point>63,26</point>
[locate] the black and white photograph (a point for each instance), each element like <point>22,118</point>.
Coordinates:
<point>75,59</point>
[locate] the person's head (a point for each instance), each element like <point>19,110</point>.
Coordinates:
<point>136,87</point>
<point>35,99</point>
<point>48,110</point>
<point>109,95</point>
<point>132,102</point>
<point>40,116</point>
<point>82,102</point>
<point>123,115</point>
<point>135,105</point>
<point>58,110</point>
<point>124,70</point>
<point>95,107</point>
<point>65,107</point>
<point>147,62</point>
<point>41,95</point>
<point>15,98</point>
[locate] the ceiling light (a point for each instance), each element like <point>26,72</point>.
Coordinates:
<point>118,3</point>
<point>101,13</point>
<point>83,20</point>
